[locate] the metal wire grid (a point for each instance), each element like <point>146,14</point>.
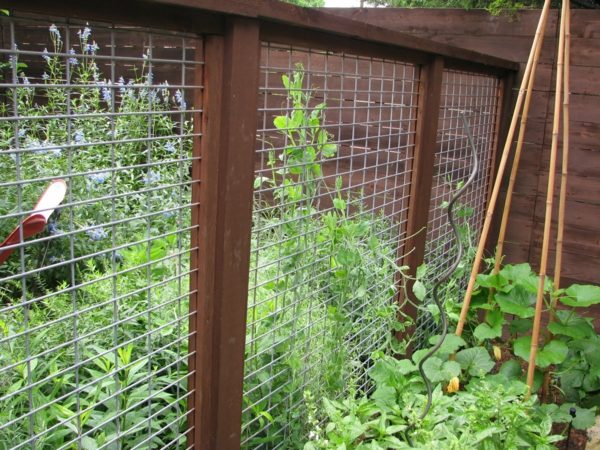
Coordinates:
<point>476,96</point>
<point>94,309</point>
<point>333,169</point>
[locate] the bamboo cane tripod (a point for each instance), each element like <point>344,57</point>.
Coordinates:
<point>522,108</point>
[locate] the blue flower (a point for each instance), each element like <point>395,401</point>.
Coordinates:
<point>45,76</point>
<point>170,147</point>
<point>152,177</point>
<point>168,214</point>
<point>54,32</point>
<point>98,178</point>
<point>43,147</point>
<point>179,98</point>
<point>92,48</point>
<point>79,136</point>
<point>85,34</point>
<point>97,234</point>
<point>121,84</point>
<point>117,257</point>
<point>53,229</point>
<point>73,61</point>
<point>46,55</point>
<point>106,94</point>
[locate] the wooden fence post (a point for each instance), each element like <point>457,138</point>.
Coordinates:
<point>224,220</point>
<point>430,91</point>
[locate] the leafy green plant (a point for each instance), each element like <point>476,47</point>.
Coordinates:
<point>508,299</point>
<point>487,415</point>
<point>59,380</point>
<point>328,272</point>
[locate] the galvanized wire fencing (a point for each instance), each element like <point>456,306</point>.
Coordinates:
<point>476,96</point>
<point>333,169</point>
<point>94,299</point>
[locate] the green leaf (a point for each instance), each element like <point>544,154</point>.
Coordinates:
<point>518,302</point>
<point>339,204</point>
<point>438,370</point>
<point>281,122</point>
<point>511,369</point>
<point>581,295</point>
<point>483,331</point>
<point>258,181</point>
<point>88,443</point>
<point>329,150</point>
<point>405,367</point>
<point>450,345</point>
<point>419,290</point>
<point>584,418</point>
<point>572,325</point>
<point>494,318</point>
<point>518,326</point>
<point>496,281</point>
<point>476,361</point>
<point>385,397</point>
<point>554,352</point>
<point>516,272</point>
<point>522,275</point>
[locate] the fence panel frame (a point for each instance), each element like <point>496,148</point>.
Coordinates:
<point>430,94</point>
<point>225,219</point>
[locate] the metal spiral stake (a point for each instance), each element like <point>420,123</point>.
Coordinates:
<point>450,270</point>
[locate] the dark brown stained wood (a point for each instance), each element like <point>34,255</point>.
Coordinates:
<point>231,79</point>
<point>268,11</point>
<point>506,102</point>
<point>585,52</point>
<point>283,34</point>
<point>430,22</point>
<point>422,174</point>
<point>197,266</point>
<point>133,12</point>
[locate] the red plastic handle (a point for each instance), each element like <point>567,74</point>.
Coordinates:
<point>35,222</point>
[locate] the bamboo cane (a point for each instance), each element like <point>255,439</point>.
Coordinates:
<point>563,183</point>
<point>535,334</point>
<point>537,41</point>
<point>565,155</point>
<point>517,158</point>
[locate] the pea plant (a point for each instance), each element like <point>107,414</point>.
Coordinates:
<point>336,280</point>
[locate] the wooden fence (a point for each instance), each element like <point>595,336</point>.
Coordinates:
<point>511,38</point>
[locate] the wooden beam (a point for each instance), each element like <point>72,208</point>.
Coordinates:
<point>430,92</point>
<point>225,219</point>
<point>209,15</point>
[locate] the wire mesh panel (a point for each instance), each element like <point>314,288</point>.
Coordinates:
<point>95,156</point>
<point>333,167</point>
<point>476,97</point>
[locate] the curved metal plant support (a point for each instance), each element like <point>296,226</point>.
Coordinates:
<point>450,270</point>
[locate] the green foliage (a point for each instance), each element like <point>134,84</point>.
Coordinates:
<point>307,3</point>
<point>508,300</point>
<point>325,279</point>
<point>89,336</point>
<point>487,415</point>
<point>493,6</point>
<point>71,138</point>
